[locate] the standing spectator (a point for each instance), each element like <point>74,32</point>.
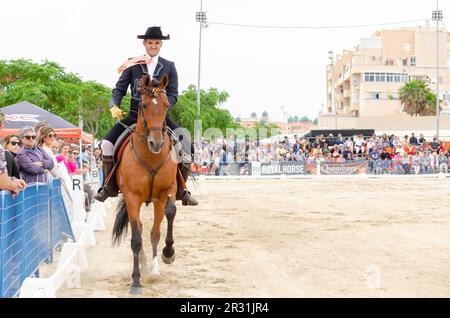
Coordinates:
<point>413,140</point>
<point>55,148</point>
<point>33,161</point>
<point>45,141</point>
<point>97,153</point>
<point>422,139</point>
<point>64,156</point>
<point>6,182</point>
<point>12,145</point>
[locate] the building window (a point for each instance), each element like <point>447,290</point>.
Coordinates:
<point>405,61</point>
<point>386,77</point>
<point>413,60</point>
<point>374,95</point>
<point>389,77</point>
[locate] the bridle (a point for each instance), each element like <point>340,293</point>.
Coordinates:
<point>154,93</point>
<point>143,137</point>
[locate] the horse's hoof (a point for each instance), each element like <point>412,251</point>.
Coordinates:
<point>168,260</point>
<point>136,290</point>
<point>155,274</point>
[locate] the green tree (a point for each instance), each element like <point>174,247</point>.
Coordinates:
<point>253,115</point>
<point>49,86</point>
<point>417,99</point>
<point>185,111</point>
<point>316,121</point>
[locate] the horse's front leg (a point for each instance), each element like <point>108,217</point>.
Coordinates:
<point>156,233</point>
<point>168,251</point>
<point>133,207</point>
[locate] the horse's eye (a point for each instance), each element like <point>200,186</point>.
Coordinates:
<point>144,105</point>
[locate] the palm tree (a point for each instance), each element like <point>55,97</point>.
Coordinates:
<point>413,96</point>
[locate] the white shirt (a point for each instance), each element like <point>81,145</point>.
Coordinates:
<point>152,65</point>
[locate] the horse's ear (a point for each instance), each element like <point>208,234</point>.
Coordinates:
<point>164,81</point>
<point>145,82</point>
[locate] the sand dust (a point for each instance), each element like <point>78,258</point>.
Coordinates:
<point>319,237</point>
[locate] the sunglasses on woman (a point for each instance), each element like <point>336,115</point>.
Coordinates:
<point>15,143</point>
<point>51,135</point>
<point>30,137</point>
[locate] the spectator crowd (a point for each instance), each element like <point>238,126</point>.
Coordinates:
<point>385,154</point>
<point>34,154</point>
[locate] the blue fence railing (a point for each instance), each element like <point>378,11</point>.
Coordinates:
<point>32,224</point>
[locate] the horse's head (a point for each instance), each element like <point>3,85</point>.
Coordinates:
<point>153,110</point>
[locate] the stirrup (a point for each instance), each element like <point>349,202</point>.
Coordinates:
<point>188,199</point>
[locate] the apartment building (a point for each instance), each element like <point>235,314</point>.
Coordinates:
<point>365,82</point>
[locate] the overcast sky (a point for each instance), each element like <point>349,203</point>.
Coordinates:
<point>261,68</point>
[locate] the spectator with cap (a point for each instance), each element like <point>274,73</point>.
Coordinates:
<point>33,161</point>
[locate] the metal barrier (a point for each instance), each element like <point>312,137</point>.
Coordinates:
<point>31,225</point>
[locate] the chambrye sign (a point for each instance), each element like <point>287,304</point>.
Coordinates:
<point>277,168</point>
<point>337,168</point>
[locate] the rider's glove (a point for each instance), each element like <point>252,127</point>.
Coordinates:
<point>116,112</point>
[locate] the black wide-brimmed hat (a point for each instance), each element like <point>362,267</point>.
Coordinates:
<point>154,33</point>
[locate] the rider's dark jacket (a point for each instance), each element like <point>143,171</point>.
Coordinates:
<point>132,75</point>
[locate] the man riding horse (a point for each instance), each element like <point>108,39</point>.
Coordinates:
<point>155,66</point>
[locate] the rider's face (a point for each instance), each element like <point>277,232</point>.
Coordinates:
<point>152,46</point>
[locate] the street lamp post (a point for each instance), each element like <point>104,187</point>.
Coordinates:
<point>437,16</point>
<point>201,18</point>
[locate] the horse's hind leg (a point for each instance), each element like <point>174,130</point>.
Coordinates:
<point>169,252</point>
<point>136,246</point>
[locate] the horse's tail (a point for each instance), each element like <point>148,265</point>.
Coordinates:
<point>121,222</point>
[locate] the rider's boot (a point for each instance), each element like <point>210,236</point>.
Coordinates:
<point>108,189</point>
<point>182,193</point>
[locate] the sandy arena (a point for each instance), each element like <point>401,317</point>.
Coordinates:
<point>317,237</point>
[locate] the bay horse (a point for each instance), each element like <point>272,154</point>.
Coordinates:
<point>147,173</point>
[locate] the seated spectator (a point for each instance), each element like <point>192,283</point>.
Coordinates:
<point>435,145</point>
<point>443,163</point>
<point>33,161</point>
<point>340,158</point>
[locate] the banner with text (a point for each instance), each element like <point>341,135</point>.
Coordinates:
<point>341,168</point>
<point>278,168</point>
